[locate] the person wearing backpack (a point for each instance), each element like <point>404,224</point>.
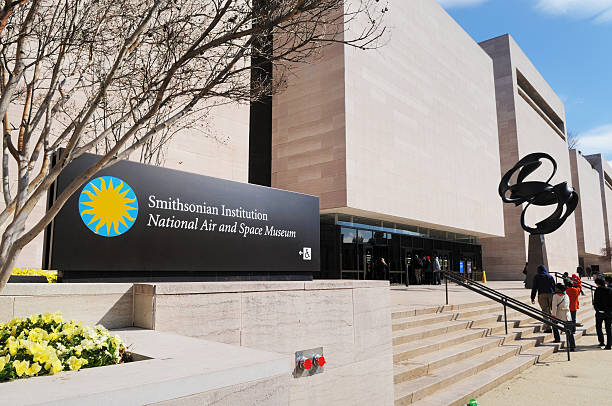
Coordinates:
<point>560,310</point>
<point>544,287</point>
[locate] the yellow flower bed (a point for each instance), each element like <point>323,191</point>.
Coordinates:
<point>45,344</point>
<point>50,275</point>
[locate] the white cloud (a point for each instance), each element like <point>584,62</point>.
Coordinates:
<point>596,141</point>
<point>604,17</point>
<point>460,3</point>
<point>599,10</point>
<point>610,163</point>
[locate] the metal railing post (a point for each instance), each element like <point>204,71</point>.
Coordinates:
<point>567,342</point>
<point>505,317</point>
<point>446,283</point>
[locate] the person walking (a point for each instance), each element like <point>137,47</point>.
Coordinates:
<point>608,280</point>
<point>544,287</point>
<point>602,302</point>
<point>418,269</point>
<point>573,293</point>
<point>560,310</point>
<point>437,268</point>
<point>590,273</point>
<point>428,269</point>
<point>577,282</point>
<point>385,269</point>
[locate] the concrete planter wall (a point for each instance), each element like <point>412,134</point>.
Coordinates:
<point>351,320</point>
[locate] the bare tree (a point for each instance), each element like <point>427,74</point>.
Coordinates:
<point>606,253</point>
<point>123,76</point>
<point>573,140</point>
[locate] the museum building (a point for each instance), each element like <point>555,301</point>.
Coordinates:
<point>405,146</point>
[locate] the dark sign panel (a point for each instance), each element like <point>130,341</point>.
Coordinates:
<point>133,217</point>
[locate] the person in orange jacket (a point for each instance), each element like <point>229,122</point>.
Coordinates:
<point>578,283</point>
<point>573,292</point>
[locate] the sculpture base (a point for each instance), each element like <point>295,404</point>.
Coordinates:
<point>536,256</point>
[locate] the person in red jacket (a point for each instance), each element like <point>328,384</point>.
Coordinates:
<point>578,283</point>
<point>573,292</point>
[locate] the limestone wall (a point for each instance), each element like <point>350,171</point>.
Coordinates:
<point>351,320</point>
<point>525,126</point>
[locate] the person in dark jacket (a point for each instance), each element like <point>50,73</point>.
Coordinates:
<point>602,303</point>
<point>580,271</point>
<point>418,269</point>
<point>428,270</point>
<point>544,287</point>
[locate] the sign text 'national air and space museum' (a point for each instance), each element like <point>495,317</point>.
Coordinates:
<point>133,217</point>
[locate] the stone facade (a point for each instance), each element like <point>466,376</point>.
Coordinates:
<point>604,170</point>
<point>531,118</point>
<point>351,320</point>
<point>402,133</point>
<point>589,213</point>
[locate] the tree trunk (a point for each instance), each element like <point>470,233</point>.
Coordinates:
<point>9,251</point>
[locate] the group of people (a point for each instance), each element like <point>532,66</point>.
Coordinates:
<point>427,270</point>
<point>562,300</point>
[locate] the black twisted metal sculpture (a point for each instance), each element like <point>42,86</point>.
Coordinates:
<point>538,193</point>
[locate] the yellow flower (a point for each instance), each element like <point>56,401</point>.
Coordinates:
<point>33,369</point>
<point>13,345</point>
<point>37,335</point>
<point>76,363</point>
<point>45,355</point>
<point>33,318</point>
<point>3,361</point>
<point>21,367</point>
<point>56,366</point>
<point>116,341</point>
<point>57,317</point>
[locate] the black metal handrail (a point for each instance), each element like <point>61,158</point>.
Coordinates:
<point>507,301</point>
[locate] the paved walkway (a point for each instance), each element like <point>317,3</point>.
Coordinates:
<point>586,379</point>
<point>424,296</point>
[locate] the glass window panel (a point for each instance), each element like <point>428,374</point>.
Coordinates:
<point>365,236</point>
<point>349,257</point>
<point>328,218</point>
<point>349,235</point>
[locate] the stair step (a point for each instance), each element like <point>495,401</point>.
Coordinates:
<point>404,352</point>
<point>461,392</point>
<point>423,320</point>
<point>426,363</point>
<point>418,333</point>
<point>473,386</point>
<point>400,312</point>
<point>411,391</point>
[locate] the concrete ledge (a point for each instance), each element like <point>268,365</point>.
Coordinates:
<point>179,288</point>
<point>59,289</point>
<point>181,367</point>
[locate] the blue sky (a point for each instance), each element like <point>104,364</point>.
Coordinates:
<point>569,41</point>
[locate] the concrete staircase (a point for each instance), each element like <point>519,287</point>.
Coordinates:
<point>447,355</point>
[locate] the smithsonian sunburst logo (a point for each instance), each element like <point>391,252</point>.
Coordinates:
<point>108,206</point>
